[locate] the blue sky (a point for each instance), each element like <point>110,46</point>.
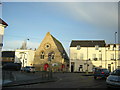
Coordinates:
<point>66,21</point>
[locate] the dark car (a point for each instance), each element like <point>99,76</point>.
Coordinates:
<point>28,69</point>
<point>113,80</point>
<point>11,66</point>
<point>102,73</point>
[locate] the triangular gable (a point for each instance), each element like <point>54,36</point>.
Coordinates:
<point>60,47</point>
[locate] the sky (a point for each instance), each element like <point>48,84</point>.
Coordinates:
<point>66,21</point>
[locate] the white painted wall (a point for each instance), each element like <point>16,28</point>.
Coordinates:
<point>1,39</point>
<point>88,52</point>
<point>25,57</point>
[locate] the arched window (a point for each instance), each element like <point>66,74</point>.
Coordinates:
<point>42,55</point>
<point>53,56</point>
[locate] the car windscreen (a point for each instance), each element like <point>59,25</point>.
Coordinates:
<point>102,70</point>
<point>105,70</point>
<point>116,72</point>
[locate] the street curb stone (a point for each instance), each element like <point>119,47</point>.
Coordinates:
<point>28,82</point>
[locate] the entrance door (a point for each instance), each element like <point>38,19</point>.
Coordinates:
<point>72,66</point>
<point>109,67</point>
<point>46,67</point>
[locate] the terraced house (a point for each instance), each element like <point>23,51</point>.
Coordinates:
<point>85,55</point>
<point>51,54</point>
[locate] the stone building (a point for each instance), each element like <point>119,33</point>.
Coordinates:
<point>50,55</point>
<point>8,57</point>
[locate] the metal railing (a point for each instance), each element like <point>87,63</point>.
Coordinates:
<point>7,76</point>
<point>47,75</point>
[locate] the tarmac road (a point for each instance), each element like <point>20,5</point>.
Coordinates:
<point>69,80</point>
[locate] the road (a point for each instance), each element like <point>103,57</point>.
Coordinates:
<point>69,80</point>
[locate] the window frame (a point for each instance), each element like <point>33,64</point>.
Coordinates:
<point>42,55</point>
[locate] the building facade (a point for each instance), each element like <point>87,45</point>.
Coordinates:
<point>2,26</point>
<point>25,57</point>
<point>50,54</point>
<point>85,55</point>
<point>8,57</point>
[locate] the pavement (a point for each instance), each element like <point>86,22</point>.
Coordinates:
<point>23,78</point>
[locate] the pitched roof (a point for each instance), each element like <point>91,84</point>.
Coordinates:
<point>60,47</point>
<point>2,22</point>
<point>87,43</point>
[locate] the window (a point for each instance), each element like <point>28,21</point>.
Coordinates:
<point>96,47</point>
<point>118,47</point>
<point>119,56</point>
<point>112,56</point>
<point>111,47</point>
<point>78,47</point>
<point>116,72</point>
<point>75,55</point>
<point>20,56</point>
<point>81,56</point>
<point>94,57</point>
<point>52,56</point>
<point>42,55</point>
<point>100,56</point>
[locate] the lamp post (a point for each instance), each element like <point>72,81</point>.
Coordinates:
<point>26,41</point>
<point>115,49</point>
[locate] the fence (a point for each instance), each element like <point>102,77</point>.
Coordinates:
<point>7,76</point>
<point>47,75</point>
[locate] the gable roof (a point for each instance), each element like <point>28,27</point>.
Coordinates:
<point>60,47</point>
<point>2,22</point>
<point>88,43</point>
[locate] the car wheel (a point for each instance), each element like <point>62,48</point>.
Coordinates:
<point>95,77</point>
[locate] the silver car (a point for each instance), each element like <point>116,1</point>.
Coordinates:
<point>113,80</point>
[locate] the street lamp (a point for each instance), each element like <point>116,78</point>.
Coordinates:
<point>26,41</point>
<point>115,49</point>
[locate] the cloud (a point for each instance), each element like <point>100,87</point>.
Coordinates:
<point>12,45</point>
<point>101,14</point>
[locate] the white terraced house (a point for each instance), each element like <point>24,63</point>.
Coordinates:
<point>85,55</point>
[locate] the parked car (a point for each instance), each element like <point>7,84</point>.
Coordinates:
<point>11,66</point>
<point>28,69</point>
<point>113,80</point>
<point>102,73</point>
